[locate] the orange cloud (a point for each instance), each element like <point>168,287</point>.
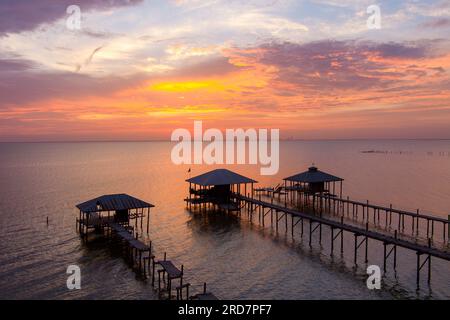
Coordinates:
<point>323,89</point>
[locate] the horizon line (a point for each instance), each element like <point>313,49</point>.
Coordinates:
<point>283,140</point>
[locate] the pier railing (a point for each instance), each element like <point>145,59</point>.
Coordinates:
<point>387,217</point>
<point>415,225</point>
<point>390,241</point>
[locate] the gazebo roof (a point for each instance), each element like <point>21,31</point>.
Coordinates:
<point>219,177</point>
<point>313,175</point>
<point>113,202</point>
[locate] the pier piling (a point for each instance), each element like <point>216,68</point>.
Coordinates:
<point>362,236</point>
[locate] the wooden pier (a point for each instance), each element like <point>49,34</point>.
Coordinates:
<point>414,225</point>
<point>337,228</point>
<point>136,250</point>
<point>214,189</point>
<point>388,217</point>
<point>112,216</point>
<point>310,197</point>
<point>314,192</point>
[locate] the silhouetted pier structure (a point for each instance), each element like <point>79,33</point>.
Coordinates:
<point>337,228</point>
<point>172,272</point>
<point>167,273</point>
<point>118,217</point>
<point>215,189</point>
<point>115,215</point>
<point>389,217</point>
<point>314,191</point>
<point>310,198</point>
<point>119,208</point>
<point>300,187</point>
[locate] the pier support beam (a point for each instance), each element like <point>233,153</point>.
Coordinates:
<point>448,230</point>
<point>311,231</point>
<point>294,224</point>
<point>334,237</point>
<point>365,241</point>
<point>387,254</point>
<point>420,265</point>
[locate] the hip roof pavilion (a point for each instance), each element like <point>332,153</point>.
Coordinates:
<point>313,175</point>
<point>113,202</point>
<point>219,177</point>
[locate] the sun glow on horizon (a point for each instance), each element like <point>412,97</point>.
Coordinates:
<point>184,86</point>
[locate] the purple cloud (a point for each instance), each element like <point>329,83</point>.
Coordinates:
<point>329,65</point>
<point>435,23</point>
<point>11,65</point>
<point>25,15</point>
<point>22,82</point>
<point>399,50</point>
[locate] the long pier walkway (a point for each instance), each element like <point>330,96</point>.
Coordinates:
<point>337,229</point>
<point>405,222</point>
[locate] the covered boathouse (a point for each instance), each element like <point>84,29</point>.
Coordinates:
<point>105,210</point>
<point>303,186</point>
<point>215,188</point>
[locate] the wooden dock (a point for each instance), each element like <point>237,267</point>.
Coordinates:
<point>337,229</point>
<point>315,196</point>
<point>112,216</point>
<point>143,260</point>
<point>405,222</point>
<point>388,216</point>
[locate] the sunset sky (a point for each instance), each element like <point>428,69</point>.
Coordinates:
<point>138,69</point>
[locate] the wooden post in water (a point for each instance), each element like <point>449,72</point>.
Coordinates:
<point>87,226</point>
<point>364,213</point>
<point>448,230</point>
<point>429,262</point>
<point>332,241</point>
<point>135,219</point>
<point>386,217</point>
<point>276,218</point>
<point>390,214</point>
<point>79,223</point>
<point>320,233</point>
<point>367,211</point>
<point>148,219</point>
<point>342,236</point>
<point>418,269</point>
<point>348,205</point>
<point>263,217</point>
<point>310,232</point>
<point>190,195</point>
<point>417,223</point>
<point>395,251</point>
<point>259,209</point>
<point>153,271</point>
<point>367,243</point>
<point>292,225</point>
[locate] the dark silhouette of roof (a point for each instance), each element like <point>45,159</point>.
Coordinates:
<point>219,177</point>
<point>113,202</point>
<point>313,175</point>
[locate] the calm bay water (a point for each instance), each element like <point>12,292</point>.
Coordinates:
<point>238,260</point>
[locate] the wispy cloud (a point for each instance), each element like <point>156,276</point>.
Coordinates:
<point>89,59</point>
<point>435,23</point>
